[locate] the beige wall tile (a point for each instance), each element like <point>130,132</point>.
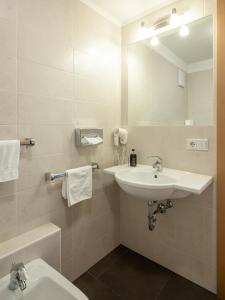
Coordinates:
<point>50,139</point>
<point>8,71</point>
<point>44,33</point>
<point>90,114</point>
<point>31,171</point>
<point>84,38</point>
<point>8,38</point>
<point>43,242</point>
<point>191,219</point>
<point>8,9</point>
<point>68,76</point>
<point>67,269</point>
<point>184,238</point>
<point>8,188</point>
<point>8,104</point>
<point>96,92</point>
<point>30,207</point>
<point>40,60</point>
<point>35,110</point>
<point>40,80</point>
<point>8,217</point>
<point>8,132</point>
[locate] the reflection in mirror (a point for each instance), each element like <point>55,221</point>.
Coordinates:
<point>172,83</point>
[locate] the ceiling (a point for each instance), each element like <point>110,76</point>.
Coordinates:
<point>125,11</point>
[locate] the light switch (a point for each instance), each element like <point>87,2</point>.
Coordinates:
<point>198,144</point>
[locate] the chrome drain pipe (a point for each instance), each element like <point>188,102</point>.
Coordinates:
<point>154,208</point>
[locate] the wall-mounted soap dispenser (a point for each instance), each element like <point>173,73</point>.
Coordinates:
<point>88,136</point>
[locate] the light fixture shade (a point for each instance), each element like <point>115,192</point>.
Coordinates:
<point>146,32</point>
<point>184,31</point>
<point>174,19</point>
<point>154,41</point>
<point>143,31</point>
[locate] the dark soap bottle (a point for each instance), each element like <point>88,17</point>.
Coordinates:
<point>133,158</point>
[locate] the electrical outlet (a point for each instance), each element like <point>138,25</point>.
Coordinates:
<point>198,144</point>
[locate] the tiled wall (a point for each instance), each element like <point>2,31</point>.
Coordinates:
<point>185,238</point>
<point>41,242</point>
<point>59,69</point>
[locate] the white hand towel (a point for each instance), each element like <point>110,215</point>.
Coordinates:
<point>9,160</point>
<point>77,185</point>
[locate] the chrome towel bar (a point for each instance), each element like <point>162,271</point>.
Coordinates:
<point>27,142</point>
<point>51,176</point>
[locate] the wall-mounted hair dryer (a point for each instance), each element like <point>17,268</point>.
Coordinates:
<point>120,136</point>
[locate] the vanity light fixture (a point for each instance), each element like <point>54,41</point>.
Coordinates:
<point>146,32</point>
<point>174,18</point>
<point>184,31</point>
<point>154,41</point>
<point>143,32</point>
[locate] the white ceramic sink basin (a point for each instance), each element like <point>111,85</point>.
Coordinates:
<point>44,283</point>
<point>143,182</point>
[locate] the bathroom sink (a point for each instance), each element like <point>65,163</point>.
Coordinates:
<point>44,283</point>
<point>143,182</point>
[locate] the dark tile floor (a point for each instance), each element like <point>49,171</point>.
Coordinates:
<point>126,275</point>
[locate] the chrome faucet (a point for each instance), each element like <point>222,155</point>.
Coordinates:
<point>18,277</point>
<point>157,165</point>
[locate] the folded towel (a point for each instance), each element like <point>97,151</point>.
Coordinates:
<point>9,160</point>
<point>77,185</point>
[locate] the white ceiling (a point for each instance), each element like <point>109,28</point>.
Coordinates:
<point>125,11</point>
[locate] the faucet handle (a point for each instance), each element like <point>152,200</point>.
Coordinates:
<point>18,277</point>
<point>23,274</point>
<point>21,270</point>
<point>158,163</point>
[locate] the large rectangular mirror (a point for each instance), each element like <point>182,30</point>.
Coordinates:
<point>170,80</point>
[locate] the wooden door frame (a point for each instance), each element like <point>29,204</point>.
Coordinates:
<point>221,148</point>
